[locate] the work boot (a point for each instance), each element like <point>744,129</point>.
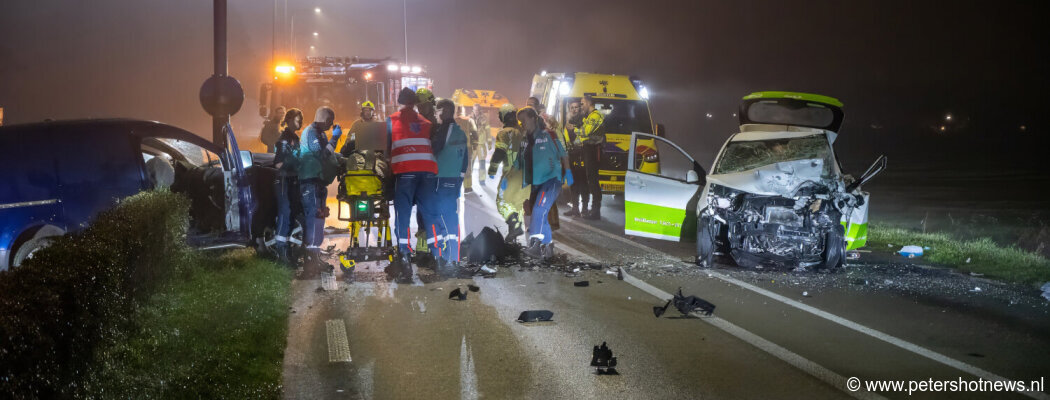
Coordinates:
<point>535,249</point>
<point>548,251</point>
<point>573,212</point>
<point>593,214</point>
<point>282,253</point>
<point>447,269</point>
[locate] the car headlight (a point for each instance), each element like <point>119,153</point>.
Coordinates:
<point>719,196</point>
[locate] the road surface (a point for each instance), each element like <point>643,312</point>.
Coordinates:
<point>774,334</point>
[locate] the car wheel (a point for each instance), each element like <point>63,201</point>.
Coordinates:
<point>26,251</point>
<point>706,231</point>
<point>835,247</point>
<point>265,243</point>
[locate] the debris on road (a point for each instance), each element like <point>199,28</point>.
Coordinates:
<point>852,255</point>
<point>581,283</point>
<point>457,295</point>
<point>910,251</point>
<point>976,289</point>
<point>473,288</point>
<point>603,361</point>
<point>686,305</point>
<point>1046,290</point>
<point>805,294</point>
<point>487,246</point>
<point>535,316</point>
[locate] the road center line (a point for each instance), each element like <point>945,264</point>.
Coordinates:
<point>338,345</point>
<point>914,348</point>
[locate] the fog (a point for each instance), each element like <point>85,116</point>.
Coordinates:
<point>899,67</point>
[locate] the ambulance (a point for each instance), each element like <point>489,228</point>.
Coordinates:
<point>625,104</point>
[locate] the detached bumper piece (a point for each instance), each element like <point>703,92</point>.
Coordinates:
<point>687,305</point>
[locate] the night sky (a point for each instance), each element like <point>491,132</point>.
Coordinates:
<point>899,67</point>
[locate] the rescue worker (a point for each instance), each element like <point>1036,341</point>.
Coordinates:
<point>366,133</point>
<point>314,149</point>
<point>481,145</point>
<point>451,150</point>
<point>426,109</point>
<point>512,193</point>
<point>544,163</point>
<point>271,129</point>
<point>412,161</point>
<point>574,144</point>
<point>287,183</point>
<point>470,129</point>
<point>552,125</point>
<point>593,140</point>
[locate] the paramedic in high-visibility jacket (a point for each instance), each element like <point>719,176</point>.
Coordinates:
<point>412,161</point>
<point>451,149</point>
<point>544,164</point>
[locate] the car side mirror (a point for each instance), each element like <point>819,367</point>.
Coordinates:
<point>694,175</point>
<point>874,169</point>
<point>661,131</point>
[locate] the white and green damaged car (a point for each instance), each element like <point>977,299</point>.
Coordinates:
<point>776,195</point>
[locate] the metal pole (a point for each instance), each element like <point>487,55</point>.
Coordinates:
<point>404,3</point>
<point>219,122</point>
<point>273,35</point>
<point>291,39</point>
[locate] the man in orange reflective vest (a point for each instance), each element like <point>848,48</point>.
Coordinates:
<point>413,163</point>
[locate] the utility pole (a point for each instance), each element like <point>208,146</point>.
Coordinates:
<point>404,4</point>
<point>219,122</point>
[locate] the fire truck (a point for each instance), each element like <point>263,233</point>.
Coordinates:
<point>342,83</point>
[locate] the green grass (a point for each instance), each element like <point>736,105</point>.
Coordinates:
<point>217,330</point>
<point>1008,263</point>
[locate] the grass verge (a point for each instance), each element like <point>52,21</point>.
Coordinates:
<point>980,255</point>
<point>215,331</point>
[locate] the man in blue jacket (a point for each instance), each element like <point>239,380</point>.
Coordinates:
<point>543,161</point>
<point>449,143</point>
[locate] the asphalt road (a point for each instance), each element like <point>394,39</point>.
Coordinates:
<point>774,334</point>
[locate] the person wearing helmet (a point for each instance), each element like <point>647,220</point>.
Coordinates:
<point>481,144</point>
<point>510,195</point>
<point>426,105</point>
<point>413,163</point>
<point>366,133</point>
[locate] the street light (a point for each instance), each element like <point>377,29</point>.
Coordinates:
<point>315,34</point>
<point>317,10</point>
<point>948,118</point>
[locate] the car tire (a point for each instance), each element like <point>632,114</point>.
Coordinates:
<point>265,242</point>
<point>706,232</point>
<point>27,249</point>
<point>835,248</point>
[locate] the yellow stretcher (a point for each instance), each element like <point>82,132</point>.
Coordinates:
<point>363,188</point>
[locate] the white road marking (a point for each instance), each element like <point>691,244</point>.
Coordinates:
<point>328,281</point>
<point>914,348</point>
<point>468,378</point>
<point>795,360</point>
<point>338,345</point>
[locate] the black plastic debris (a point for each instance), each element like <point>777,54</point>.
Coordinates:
<point>457,295</point>
<point>686,305</point>
<point>582,283</point>
<point>603,361</point>
<point>473,288</point>
<point>535,316</point>
<point>487,246</point>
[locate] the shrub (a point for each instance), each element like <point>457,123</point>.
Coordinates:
<point>79,294</point>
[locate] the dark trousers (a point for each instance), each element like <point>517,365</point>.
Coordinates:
<point>578,196</point>
<point>592,156</point>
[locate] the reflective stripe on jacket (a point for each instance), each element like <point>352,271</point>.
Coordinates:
<point>410,148</point>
